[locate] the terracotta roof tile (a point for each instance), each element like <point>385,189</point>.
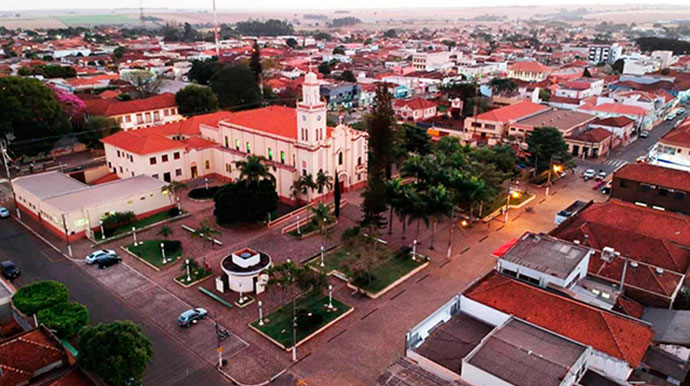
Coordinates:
<point>110,108</point>
<point>23,355</point>
<point>512,112</point>
<point>680,136</point>
<point>136,142</point>
<point>655,175</point>
<point>607,332</point>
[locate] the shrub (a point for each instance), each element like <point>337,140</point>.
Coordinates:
<point>245,202</point>
<point>67,319</point>
<point>172,246</point>
<point>40,295</point>
<point>350,233</point>
<point>307,320</point>
<point>172,212</point>
<point>203,193</point>
<point>118,219</point>
<point>403,253</point>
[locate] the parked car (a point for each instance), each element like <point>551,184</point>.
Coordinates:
<point>9,270</point>
<point>107,261</point>
<point>4,212</point>
<point>606,189</point>
<point>589,174</point>
<point>601,175</point>
<point>644,134</point>
<point>189,317</point>
<point>670,117</point>
<point>99,254</point>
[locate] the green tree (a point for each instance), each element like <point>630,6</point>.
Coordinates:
<point>348,76</point>
<point>65,318</point>
<point>321,215</point>
<point>96,128</point>
<point>500,85</point>
<point>236,87</point>
<point>145,83</point>
<point>336,196</point>
<point>255,169</point>
<point>415,140</point>
<point>618,65</point>
<point>438,205</point>
<point>291,42</point>
<point>165,231</point>
<point>40,295</point>
<point>323,181</point>
<point>172,189</point>
<point>243,202</point>
<point>196,100</point>
<point>203,70</point>
<point>546,144</point>
<point>119,52</point>
<point>117,352</point>
<point>29,109</point>
<point>255,62</point>
<point>394,190</point>
<point>391,33</point>
<point>205,233</point>
<point>302,186</point>
<point>339,50</point>
<point>325,68</point>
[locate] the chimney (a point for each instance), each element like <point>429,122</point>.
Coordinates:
<point>607,254</point>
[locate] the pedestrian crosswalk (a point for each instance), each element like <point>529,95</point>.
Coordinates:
<point>616,163</point>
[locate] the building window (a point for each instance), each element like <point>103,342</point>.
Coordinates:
<point>249,148</point>
<point>282,157</point>
<point>340,158</point>
<point>207,164</point>
<point>176,155</point>
<point>155,176</point>
<point>164,158</point>
<point>156,116</point>
<point>679,195</point>
<point>359,161</point>
<point>270,154</point>
<point>118,154</point>
<point>120,169</point>
<point>152,160</point>
<point>140,119</point>
<point>623,183</point>
<point>663,192</point>
<point>178,172</point>
<point>644,188</point>
<point>227,142</point>
<point>228,168</point>
<point>237,144</point>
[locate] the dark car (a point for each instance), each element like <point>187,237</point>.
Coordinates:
<point>107,261</point>
<point>9,270</point>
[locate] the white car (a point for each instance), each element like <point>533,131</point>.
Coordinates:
<point>99,254</point>
<point>589,174</point>
<point>4,212</point>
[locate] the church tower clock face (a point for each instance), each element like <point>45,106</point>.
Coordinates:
<point>318,117</point>
<point>304,117</point>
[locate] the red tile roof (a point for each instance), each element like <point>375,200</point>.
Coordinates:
<point>607,332</point>
<point>617,108</point>
<point>273,120</point>
<point>110,108</point>
<point>642,276</point>
<point>614,121</point>
<point>135,141</point>
<point>680,136</point>
<point>73,378</point>
<point>595,135</point>
<point>414,103</point>
<point>628,307</point>
<point>655,175</point>
<point>27,353</point>
<point>512,112</point>
<point>530,66</point>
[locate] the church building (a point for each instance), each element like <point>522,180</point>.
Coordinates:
<point>296,141</point>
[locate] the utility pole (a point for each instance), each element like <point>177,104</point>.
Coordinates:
<point>215,29</point>
<point>294,332</point>
<point>6,161</point>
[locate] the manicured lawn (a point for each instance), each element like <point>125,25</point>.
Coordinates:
<point>164,215</point>
<point>150,250</point>
<point>312,315</point>
<point>386,269</point>
<point>195,274</point>
<point>501,200</point>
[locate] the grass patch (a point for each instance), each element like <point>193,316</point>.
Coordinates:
<point>154,218</point>
<point>150,251</point>
<point>388,266</point>
<point>312,314</point>
<point>203,193</point>
<point>196,274</point>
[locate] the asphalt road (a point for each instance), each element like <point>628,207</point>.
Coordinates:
<point>172,364</point>
<point>630,153</point>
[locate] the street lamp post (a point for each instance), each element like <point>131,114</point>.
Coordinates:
<point>206,183</point>
<point>294,332</point>
<point>555,169</point>
<point>330,297</point>
<point>414,248</point>
<point>163,253</point>
<point>261,314</point>
<point>322,263</point>
<point>512,193</point>
<point>134,235</point>
<point>298,229</point>
<point>179,208</point>
<point>189,277</point>
<point>102,230</point>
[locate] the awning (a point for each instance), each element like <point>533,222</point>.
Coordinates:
<point>504,248</point>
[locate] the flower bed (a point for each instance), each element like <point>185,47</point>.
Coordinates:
<point>138,224</point>
<point>313,317</point>
<point>197,275</point>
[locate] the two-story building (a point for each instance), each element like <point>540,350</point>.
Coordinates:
<point>415,109</point>
<point>529,71</point>
<point>673,149</point>
<point>653,186</point>
<point>495,123</point>
<point>136,114</point>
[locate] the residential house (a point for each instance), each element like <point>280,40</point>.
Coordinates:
<point>568,122</point>
<point>622,127</point>
<point>434,61</point>
<point>529,71</point>
<point>495,123</point>
<point>653,186</point>
<point>415,109</point>
<point>593,143</point>
<point>673,149</point>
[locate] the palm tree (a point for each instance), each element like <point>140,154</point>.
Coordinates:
<point>402,206</point>
<point>322,217</point>
<point>302,186</point>
<point>417,211</point>
<point>254,169</point>
<point>165,231</point>
<point>172,188</point>
<point>393,190</point>
<point>205,232</point>
<point>322,181</point>
<point>438,205</point>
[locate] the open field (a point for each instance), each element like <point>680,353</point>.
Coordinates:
<point>86,19</point>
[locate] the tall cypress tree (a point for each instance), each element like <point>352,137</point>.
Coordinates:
<point>336,196</point>
<point>255,62</point>
<point>380,125</point>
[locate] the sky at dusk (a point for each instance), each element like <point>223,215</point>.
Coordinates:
<point>7,5</point>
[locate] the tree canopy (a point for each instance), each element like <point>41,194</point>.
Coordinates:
<point>117,352</point>
<point>649,44</point>
<point>203,70</point>
<point>196,100</point>
<point>96,128</point>
<point>65,318</point>
<point>236,87</point>
<point>271,27</point>
<point>547,144</point>
<point>245,202</point>
<point>40,295</point>
<point>29,109</point>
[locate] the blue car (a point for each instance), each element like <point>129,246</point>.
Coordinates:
<point>189,317</point>
<point>4,212</point>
